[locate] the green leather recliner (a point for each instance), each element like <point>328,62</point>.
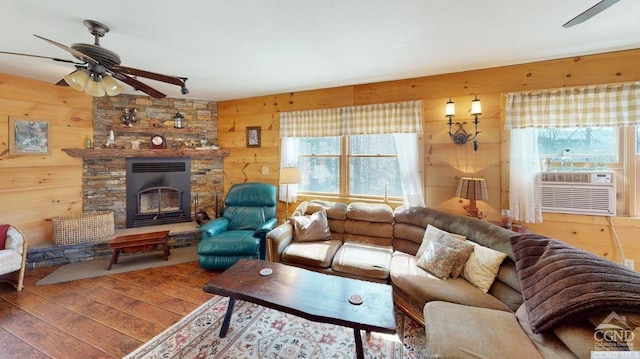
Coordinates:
<point>250,212</point>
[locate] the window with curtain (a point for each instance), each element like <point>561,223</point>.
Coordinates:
<point>575,128</point>
<point>358,151</point>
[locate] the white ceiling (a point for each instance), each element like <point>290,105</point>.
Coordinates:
<point>245,48</point>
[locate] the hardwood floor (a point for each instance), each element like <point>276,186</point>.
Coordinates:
<point>103,317</point>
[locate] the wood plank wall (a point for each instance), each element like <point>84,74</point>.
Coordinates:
<point>36,188</point>
<point>444,160</point>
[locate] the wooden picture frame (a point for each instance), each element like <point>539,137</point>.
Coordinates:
<point>28,137</point>
<point>254,136</point>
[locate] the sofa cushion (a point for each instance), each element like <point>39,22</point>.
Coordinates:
<point>311,228</point>
<point>431,233</point>
<point>438,259</point>
<point>561,283</point>
<point>365,260</point>
<point>314,254</point>
<point>482,267</point>
<point>460,331</point>
<point>424,287</point>
<point>10,261</point>
<point>549,345</point>
<point>370,212</point>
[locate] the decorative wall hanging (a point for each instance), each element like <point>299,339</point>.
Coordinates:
<point>253,136</point>
<point>28,137</point>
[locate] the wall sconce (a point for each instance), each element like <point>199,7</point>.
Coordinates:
<point>178,120</point>
<point>472,189</point>
<point>460,135</point>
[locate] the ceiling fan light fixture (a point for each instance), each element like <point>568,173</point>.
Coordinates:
<point>95,88</point>
<point>78,79</point>
<point>111,86</point>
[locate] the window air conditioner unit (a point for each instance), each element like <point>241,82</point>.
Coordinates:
<point>589,193</point>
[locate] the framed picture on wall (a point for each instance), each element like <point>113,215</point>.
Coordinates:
<point>28,137</point>
<point>253,136</point>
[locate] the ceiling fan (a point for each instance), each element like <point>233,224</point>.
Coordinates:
<point>99,66</point>
<point>590,12</point>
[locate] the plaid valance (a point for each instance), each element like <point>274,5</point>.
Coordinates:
<point>591,106</point>
<point>403,117</point>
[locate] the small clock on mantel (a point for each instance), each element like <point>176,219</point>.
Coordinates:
<point>158,142</point>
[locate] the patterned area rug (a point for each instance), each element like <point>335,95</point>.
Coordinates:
<point>259,332</point>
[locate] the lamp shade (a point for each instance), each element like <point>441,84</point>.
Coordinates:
<point>476,107</point>
<point>472,188</point>
<point>111,86</point>
<point>77,79</point>
<point>94,88</point>
<point>290,175</point>
<point>450,110</point>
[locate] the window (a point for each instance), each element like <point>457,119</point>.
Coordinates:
<point>368,163</point>
<point>589,146</point>
<point>319,162</point>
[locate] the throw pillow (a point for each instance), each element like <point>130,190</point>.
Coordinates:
<point>463,250</point>
<point>561,283</point>
<point>482,267</point>
<point>314,227</point>
<point>3,235</point>
<point>432,233</point>
<point>438,259</point>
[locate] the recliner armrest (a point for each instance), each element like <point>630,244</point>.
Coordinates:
<point>268,225</point>
<point>213,227</point>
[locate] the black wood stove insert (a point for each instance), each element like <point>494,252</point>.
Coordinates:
<point>158,191</point>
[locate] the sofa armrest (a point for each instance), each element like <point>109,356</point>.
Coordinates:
<point>277,240</point>
<point>216,226</point>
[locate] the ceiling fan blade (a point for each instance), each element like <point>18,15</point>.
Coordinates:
<point>72,51</point>
<point>150,75</point>
<point>137,85</point>
<point>41,57</point>
<point>590,12</point>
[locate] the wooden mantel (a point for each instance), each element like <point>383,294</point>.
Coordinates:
<point>105,153</point>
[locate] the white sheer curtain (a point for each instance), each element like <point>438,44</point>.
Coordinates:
<point>288,158</point>
<point>407,150</point>
<point>524,198</point>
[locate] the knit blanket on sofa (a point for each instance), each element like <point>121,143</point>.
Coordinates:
<point>561,283</point>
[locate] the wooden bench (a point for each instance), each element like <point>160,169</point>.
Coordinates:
<point>133,243</point>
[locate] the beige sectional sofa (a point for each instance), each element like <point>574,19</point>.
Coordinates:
<point>460,319</point>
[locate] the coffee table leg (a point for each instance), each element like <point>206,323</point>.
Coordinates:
<point>227,318</point>
<point>359,349</point>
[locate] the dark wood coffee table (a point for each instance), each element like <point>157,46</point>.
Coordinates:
<point>138,243</point>
<point>314,296</point>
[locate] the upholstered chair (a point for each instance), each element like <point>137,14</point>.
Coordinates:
<point>249,213</point>
<point>13,258</point>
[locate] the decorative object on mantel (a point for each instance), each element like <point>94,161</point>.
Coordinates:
<point>155,123</point>
<point>111,141</point>
<point>461,136</point>
<point>178,120</point>
<point>158,142</point>
<point>129,117</point>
